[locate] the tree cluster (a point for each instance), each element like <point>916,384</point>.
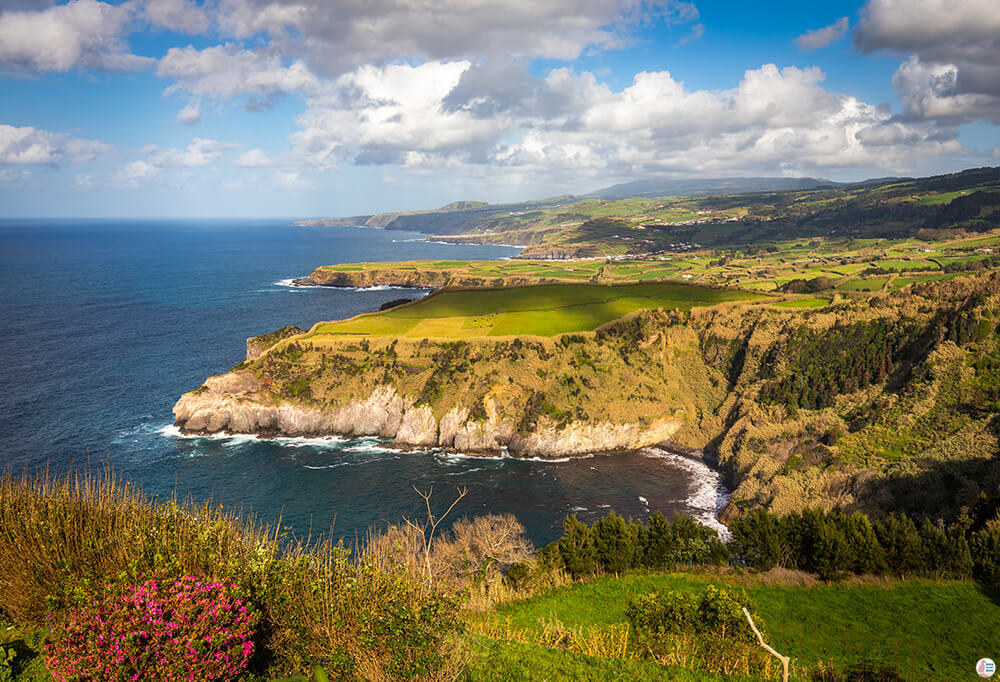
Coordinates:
<point>843,359</point>
<point>613,545</point>
<point>834,544</point>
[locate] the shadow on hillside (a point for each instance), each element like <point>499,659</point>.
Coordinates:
<point>942,486</point>
<point>991,593</point>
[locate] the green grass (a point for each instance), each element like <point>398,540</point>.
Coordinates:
<point>803,303</point>
<point>514,661</point>
<point>928,629</point>
<point>28,664</point>
<point>545,310</point>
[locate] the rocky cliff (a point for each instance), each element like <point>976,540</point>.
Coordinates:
<point>877,404</point>
<point>418,278</point>
<point>230,403</point>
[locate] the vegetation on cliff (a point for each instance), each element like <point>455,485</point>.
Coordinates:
<point>871,404</point>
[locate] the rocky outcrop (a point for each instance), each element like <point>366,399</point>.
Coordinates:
<point>230,403</point>
<point>256,345</point>
<point>414,278</point>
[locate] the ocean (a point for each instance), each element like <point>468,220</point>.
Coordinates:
<point>105,323</point>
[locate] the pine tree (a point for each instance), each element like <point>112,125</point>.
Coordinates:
<point>660,547</point>
<point>613,543</point>
<point>577,548</point>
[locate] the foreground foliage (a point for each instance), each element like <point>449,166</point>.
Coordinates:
<point>63,541</point>
<point>173,630</point>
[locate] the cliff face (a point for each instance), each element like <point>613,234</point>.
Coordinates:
<point>229,403</point>
<point>417,278</point>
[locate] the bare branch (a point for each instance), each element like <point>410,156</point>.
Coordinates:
<point>760,639</point>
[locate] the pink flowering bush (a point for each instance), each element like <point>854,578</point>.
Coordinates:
<point>183,629</point>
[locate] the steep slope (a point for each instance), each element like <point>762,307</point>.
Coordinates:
<point>874,404</point>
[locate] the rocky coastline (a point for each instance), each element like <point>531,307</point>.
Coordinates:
<point>230,403</point>
<point>413,279</point>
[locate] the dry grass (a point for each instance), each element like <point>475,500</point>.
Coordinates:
<point>59,536</point>
<point>65,540</point>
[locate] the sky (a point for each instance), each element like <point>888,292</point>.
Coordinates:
<point>307,108</point>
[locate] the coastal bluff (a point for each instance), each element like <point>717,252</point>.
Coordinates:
<point>416,278</point>
<point>229,404</point>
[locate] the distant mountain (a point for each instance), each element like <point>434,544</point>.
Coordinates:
<point>662,187</point>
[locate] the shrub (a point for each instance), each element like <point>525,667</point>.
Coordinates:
<point>172,630</point>
<point>708,631</point>
<point>63,541</point>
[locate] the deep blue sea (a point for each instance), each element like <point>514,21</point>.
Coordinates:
<point>105,323</point>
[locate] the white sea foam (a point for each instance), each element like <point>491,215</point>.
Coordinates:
<point>290,283</point>
<point>466,471</point>
<point>236,439</point>
<point>708,495</point>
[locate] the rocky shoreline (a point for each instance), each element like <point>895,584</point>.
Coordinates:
<point>230,403</point>
<point>413,279</point>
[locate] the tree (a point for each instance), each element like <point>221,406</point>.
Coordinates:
<point>613,544</point>
<point>899,537</point>
<point>577,548</point>
<point>867,554</point>
<point>660,547</point>
<point>758,539</point>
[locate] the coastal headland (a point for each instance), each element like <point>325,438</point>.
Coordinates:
<point>832,347</point>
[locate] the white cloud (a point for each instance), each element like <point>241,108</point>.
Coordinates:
<point>697,31</point>
<point>291,180</point>
<point>953,47</point>
<point>254,158</point>
<point>339,36</point>
<point>200,152</point>
<point>821,37</point>
<point>28,145</point>
<point>182,16</point>
<point>230,71</point>
<point>14,176</point>
<point>189,115</point>
<point>447,115</point>
<point>83,180</point>
<point>135,174</point>
<point>82,33</point>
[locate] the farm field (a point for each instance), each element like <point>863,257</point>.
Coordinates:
<point>850,266</point>
<point>911,626</point>
<point>545,310</point>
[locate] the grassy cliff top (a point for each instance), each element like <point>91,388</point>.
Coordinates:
<point>545,310</point>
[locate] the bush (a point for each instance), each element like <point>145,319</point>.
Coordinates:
<point>716,610</point>
<point>172,630</point>
<point>65,541</point>
<point>707,631</point>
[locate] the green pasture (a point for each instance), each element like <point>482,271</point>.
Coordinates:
<point>925,629</point>
<point>803,303</point>
<point>545,310</point>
